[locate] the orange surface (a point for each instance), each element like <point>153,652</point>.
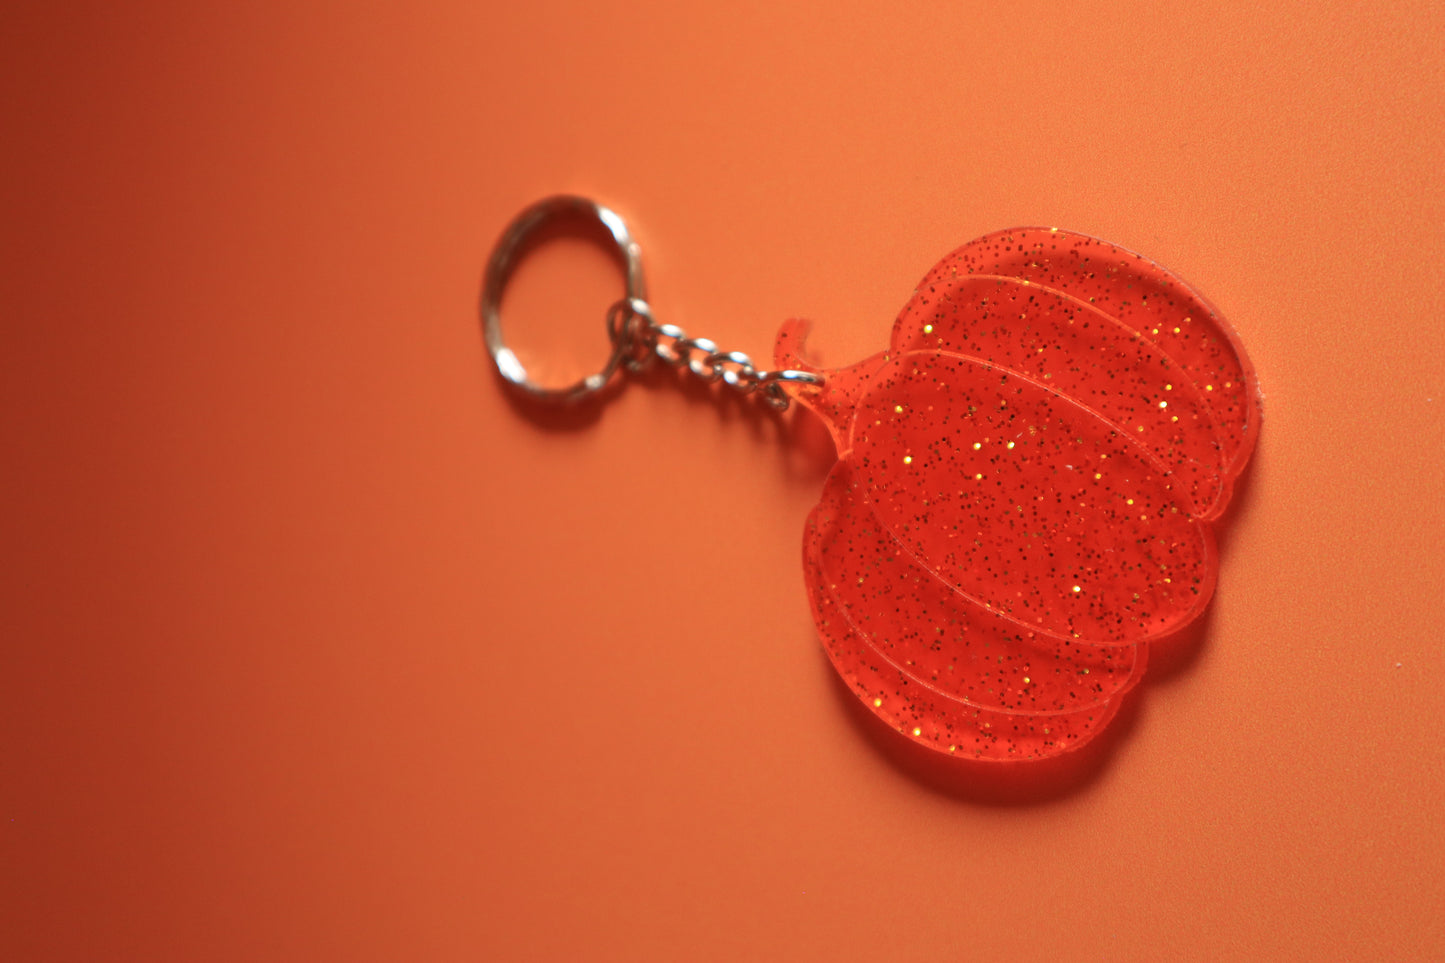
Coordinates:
<point>316,647</point>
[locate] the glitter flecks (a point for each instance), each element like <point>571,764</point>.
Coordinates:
<point>1005,619</point>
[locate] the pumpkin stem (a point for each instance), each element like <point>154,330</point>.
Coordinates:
<point>837,397</point>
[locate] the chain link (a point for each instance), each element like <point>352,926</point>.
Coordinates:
<point>642,340</point>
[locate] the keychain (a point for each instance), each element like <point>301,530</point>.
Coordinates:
<point>1026,480</point>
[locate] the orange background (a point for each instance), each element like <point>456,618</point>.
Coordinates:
<point>316,647</point>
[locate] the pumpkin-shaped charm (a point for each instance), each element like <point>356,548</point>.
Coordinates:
<point>1025,485</point>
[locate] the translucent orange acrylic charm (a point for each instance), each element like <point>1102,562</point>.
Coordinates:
<point>1025,483</point>
<point>1024,490</point>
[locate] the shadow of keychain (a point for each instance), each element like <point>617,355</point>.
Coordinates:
<point>1027,479</point>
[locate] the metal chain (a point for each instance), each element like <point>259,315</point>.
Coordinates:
<point>632,328</point>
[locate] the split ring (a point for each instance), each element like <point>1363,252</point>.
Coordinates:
<point>499,270</point>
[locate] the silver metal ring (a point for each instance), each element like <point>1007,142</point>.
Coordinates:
<point>499,269</point>
<point>790,376</point>
<point>668,352</point>
<point>700,367</point>
<point>638,351</point>
<point>735,368</point>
